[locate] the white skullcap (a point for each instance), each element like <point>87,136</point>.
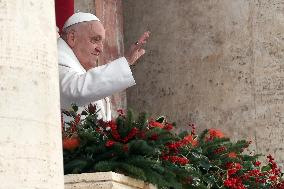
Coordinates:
<point>79,17</point>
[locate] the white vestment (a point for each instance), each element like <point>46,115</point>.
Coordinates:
<point>95,85</point>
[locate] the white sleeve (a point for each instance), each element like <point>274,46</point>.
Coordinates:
<point>95,84</point>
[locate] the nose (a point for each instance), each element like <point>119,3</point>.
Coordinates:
<point>98,50</point>
<point>99,47</point>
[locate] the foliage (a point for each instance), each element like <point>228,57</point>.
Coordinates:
<point>147,149</point>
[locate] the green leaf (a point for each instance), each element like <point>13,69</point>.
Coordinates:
<point>205,165</point>
<point>84,113</point>
<point>74,107</point>
<point>183,134</point>
<point>75,166</point>
<point>160,119</point>
<point>209,179</point>
<point>265,168</point>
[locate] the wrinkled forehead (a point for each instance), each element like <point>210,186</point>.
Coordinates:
<point>95,28</point>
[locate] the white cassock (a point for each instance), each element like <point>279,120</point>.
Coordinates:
<point>95,85</point>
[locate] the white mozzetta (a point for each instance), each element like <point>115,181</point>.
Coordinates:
<point>83,87</point>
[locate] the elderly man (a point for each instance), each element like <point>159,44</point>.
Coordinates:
<point>82,81</point>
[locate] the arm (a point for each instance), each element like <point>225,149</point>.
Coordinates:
<point>95,84</point>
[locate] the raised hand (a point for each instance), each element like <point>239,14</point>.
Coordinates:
<point>136,50</point>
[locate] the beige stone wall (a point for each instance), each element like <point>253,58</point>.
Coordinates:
<point>216,63</point>
<point>30,132</point>
<point>84,6</point>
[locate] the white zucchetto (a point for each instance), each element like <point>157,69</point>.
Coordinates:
<point>79,17</point>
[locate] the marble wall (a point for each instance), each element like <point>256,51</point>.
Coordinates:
<point>217,63</point>
<point>30,131</point>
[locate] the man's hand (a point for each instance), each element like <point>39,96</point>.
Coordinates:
<point>136,50</point>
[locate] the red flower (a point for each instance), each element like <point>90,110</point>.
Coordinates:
<point>154,136</point>
<point>270,158</point>
<point>193,127</point>
<point>253,172</point>
<point>168,127</point>
<point>176,159</point>
<point>238,166</point>
<point>234,183</point>
<point>232,155</point>
<point>214,133</point>
<point>71,143</point>
<point>189,140</point>
<point>185,141</point>
<point>156,124</point>
<point>230,182</point>
<point>273,177</point>
<point>220,150</point>
<point>112,125</point>
<point>131,134</point>
<point>257,163</point>
<point>77,118</point>
<point>99,130</point>
<point>113,131</point>
<point>110,143</point>
<point>75,123</point>
<point>232,171</point>
<point>120,112</point>
<point>92,108</point>
<point>229,165</point>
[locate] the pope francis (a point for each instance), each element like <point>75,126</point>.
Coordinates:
<point>82,81</point>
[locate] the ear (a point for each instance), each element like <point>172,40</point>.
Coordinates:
<point>71,39</point>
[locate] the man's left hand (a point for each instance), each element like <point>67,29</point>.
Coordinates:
<point>136,50</point>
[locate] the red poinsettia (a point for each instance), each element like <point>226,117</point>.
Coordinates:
<point>214,133</point>
<point>190,140</point>
<point>185,141</point>
<point>168,126</point>
<point>155,124</point>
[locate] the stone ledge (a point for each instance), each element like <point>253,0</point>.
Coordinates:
<point>103,180</point>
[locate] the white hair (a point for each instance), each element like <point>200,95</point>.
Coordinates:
<point>75,27</point>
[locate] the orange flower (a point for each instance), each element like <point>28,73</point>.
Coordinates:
<point>232,155</point>
<point>214,133</point>
<point>71,143</point>
<point>190,140</point>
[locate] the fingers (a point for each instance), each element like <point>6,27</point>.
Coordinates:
<point>135,55</point>
<point>140,52</point>
<point>144,37</point>
<point>142,40</point>
<point>136,50</point>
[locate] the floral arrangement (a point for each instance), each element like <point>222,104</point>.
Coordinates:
<point>149,150</point>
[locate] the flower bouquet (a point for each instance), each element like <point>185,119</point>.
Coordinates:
<point>149,150</point>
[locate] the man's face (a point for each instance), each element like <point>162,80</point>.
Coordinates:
<point>88,43</point>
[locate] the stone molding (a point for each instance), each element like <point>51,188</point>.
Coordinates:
<point>104,180</point>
